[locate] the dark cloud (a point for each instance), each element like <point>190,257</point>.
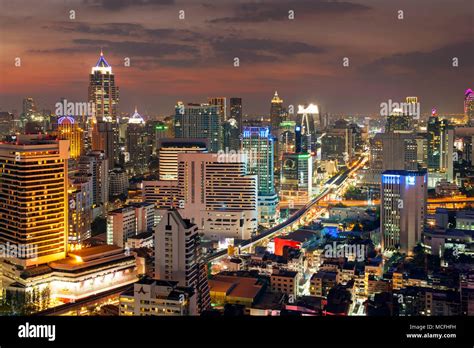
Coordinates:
<point>278,10</point>
<point>124,29</point>
<point>424,63</point>
<point>260,50</point>
<point>115,5</point>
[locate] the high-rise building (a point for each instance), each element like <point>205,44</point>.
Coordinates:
<point>129,221</point>
<point>103,139</point>
<point>308,116</point>
<point>398,121</point>
<point>231,135</point>
<point>118,183</point>
<point>277,113</point>
<point>178,256</point>
<point>80,208</point>
<point>221,103</point>
<point>403,209</point>
<point>469,106</point>
<point>296,182</point>
<point>259,144</point>
<point>96,164</point>
<point>104,96</point>
<point>29,110</point>
<point>168,150</point>
<point>440,146</point>
<point>392,151</point>
<point>199,121</point>
<point>338,143</point>
<point>236,112</point>
<point>218,194</point>
<point>33,197</point>
<point>137,144</point>
<point>7,124</point>
<point>69,129</point>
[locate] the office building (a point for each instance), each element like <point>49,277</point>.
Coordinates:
<point>33,197</point>
<point>118,183</point>
<point>277,113</point>
<point>137,144</point>
<point>338,143</point>
<point>469,107</point>
<point>296,183</point>
<point>104,96</point>
<point>259,143</point>
<point>95,163</point>
<point>307,117</point>
<point>80,208</point>
<point>178,256</point>
<point>403,209</point>
<point>193,121</point>
<point>440,146</point>
<point>69,129</point>
<point>168,150</point>
<point>129,221</point>
<point>218,194</point>
<point>158,297</point>
<point>231,135</point>
<point>236,112</point>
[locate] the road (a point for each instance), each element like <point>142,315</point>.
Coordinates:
<point>295,221</point>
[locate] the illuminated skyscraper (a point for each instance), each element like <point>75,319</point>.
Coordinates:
<point>276,113</point>
<point>236,112</point>
<point>259,144</point>
<point>198,121</point>
<point>95,163</point>
<point>440,147</point>
<point>307,116</point>
<point>137,144</point>
<point>104,96</point>
<point>403,209</point>
<point>296,178</point>
<point>469,106</point>
<point>231,132</point>
<point>221,103</point>
<point>33,197</point>
<point>70,130</point>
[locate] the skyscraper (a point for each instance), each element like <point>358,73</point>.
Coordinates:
<point>403,209</point>
<point>259,143</point>
<point>33,197</point>
<point>307,116</point>
<point>296,178</point>
<point>276,113</point>
<point>178,255</point>
<point>221,103</point>
<point>440,147</point>
<point>137,144</point>
<point>104,96</point>
<point>231,133</point>
<point>236,112</point>
<point>69,129</point>
<point>469,106</point>
<point>198,121</point>
<point>95,163</point>
<point>103,139</point>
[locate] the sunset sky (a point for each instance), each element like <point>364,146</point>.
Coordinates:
<point>191,59</point>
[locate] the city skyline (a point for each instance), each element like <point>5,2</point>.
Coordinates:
<point>191,59</point>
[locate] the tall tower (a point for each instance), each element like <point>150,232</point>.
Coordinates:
<point>178,255</point>
<point>469,106</point>
<point>403,208</point>
<point>236,112</point>
<point>259,144</point>
<point>70,130</point>
<point>276,112</point>
<point>137,144</point>
<point>104,96</point>
<point>33,197</point>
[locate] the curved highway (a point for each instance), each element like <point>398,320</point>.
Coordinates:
<point>335,182</point>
